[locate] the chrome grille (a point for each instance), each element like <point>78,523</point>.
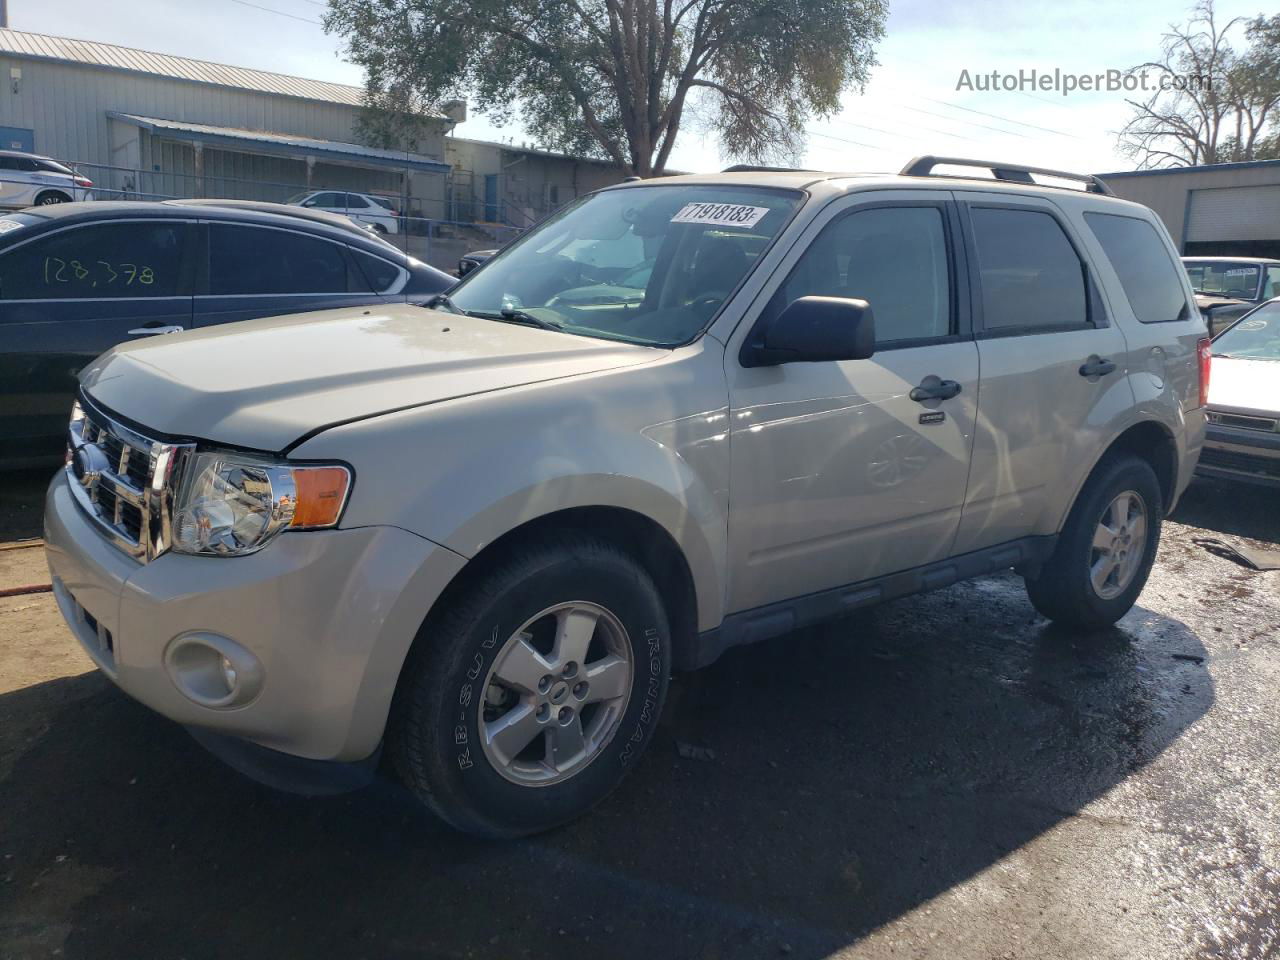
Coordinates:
<point>123,480</point>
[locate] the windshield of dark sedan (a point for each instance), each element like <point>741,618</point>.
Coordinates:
<point>1237,280</point>
<point>645,264</point>
<point>1256,337</point>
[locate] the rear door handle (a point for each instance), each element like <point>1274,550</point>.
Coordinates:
<point>155,331</point>
<point>1096,367</point>
<point>933,388</point>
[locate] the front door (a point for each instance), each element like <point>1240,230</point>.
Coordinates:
<point>850,470</point>
<point>70,295</point>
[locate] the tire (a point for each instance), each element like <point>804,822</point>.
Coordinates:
<point>51,197</point>
<point>379,229</point>
<point>471,664</point>
<point>1070,587</point>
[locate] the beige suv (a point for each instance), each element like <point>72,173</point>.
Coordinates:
<point>682,415</point>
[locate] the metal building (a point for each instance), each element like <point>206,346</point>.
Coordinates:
<point>147,124</point>
<point>1226,209</point>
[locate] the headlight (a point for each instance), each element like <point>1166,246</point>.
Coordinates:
<point>232,504</point>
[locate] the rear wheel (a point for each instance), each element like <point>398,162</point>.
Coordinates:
<point>379,229</point>
<point>530,696</point>
<point>51,196</point>
<point>1106,549</point>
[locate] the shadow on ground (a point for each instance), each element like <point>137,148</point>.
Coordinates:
<point>860,769</point>
<point>1234,509</point>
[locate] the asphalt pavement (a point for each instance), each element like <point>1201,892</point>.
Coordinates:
<point>946,776</point>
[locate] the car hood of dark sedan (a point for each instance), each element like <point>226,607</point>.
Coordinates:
<point>264,384</point>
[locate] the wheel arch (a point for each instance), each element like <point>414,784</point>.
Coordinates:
<point>53,191</point>
<point>1151,441</point>
<point>647,541</point>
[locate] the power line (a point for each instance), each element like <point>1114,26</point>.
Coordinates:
<point>972,123</point>
<point>996,116</point>
<point>278,13</point>
<point>855,143</point>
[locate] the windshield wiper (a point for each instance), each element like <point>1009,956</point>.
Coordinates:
<point>512,315</point>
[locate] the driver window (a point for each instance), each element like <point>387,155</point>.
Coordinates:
<point>895,258</point>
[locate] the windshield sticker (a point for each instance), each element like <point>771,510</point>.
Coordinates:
<point>721,214</point>
<point>7,225</point>
<point>1242,272</point>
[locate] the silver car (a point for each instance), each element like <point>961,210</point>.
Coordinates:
<point>486,533</point>
<point>30,180</point>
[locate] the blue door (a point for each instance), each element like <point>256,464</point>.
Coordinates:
<point>491,197</point>
<point>18,138</point>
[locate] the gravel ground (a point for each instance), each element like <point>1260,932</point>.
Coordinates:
<point>948,776</point>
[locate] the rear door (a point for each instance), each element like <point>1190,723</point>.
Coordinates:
<point>1053,378</point>
<point>254,270</point>
<point>70,294</point>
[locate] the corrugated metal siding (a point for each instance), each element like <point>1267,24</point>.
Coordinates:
<point>67,107</point>
<point>1234,214</point>
<point>181,68</point>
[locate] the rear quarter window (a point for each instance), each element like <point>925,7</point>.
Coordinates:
<point>1152,283</point>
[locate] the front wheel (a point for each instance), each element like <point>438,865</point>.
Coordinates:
<point>1106,549</point>
<point>529,697</point>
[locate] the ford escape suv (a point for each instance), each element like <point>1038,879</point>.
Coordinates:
<point>484,533</point>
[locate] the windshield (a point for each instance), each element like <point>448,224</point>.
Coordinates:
<point>1256,337</point>
<point>647,265</point>
<point>1238,280</point>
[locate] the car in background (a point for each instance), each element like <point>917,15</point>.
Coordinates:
<point>1229,287</point>
<point>30,180</point>
<point>1242,439</point>
<point>78,278</point>
<point>474,259</point>
<point>379,213</point>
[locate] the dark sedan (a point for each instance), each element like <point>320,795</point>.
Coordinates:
<point>78,278</point>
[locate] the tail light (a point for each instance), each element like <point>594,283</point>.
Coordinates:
<point>82,181</point>
<point>1204,351</point>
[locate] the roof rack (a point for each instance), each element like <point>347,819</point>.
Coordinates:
<point>1009,172</point>
<point>752,168</point>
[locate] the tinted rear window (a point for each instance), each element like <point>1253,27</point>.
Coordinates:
<point>1031,276</point>
<point>256,261</point>
<point>1147,273</point>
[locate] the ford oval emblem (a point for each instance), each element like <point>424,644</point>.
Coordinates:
<point>88,465</point>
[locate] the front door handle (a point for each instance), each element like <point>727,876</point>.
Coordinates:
<point>1096,367</point>
<point>155,331</point>
<point>933,388</point>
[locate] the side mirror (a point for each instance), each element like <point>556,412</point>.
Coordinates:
<point>814,329</point>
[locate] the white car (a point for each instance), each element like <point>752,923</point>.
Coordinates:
<point>1243,435</point>
<point>29,180</point>
<point>369,209</point>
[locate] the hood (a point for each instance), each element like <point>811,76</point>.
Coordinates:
<point>1241,384</point>
<point>263,384</point>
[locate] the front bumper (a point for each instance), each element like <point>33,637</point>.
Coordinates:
<point>1232,453</point>
<point>329,615</point>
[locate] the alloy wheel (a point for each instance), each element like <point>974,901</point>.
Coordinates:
<point>1119,544</point>
<point>556,693</point>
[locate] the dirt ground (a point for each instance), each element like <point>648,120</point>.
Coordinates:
<point>948,776</point>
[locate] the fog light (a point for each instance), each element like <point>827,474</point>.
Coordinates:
<point>212,670</point>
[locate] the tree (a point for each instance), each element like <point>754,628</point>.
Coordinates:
<point>617,78</point>
<point>1217,105</point>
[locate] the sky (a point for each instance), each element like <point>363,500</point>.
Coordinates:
<point>916,103</point>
